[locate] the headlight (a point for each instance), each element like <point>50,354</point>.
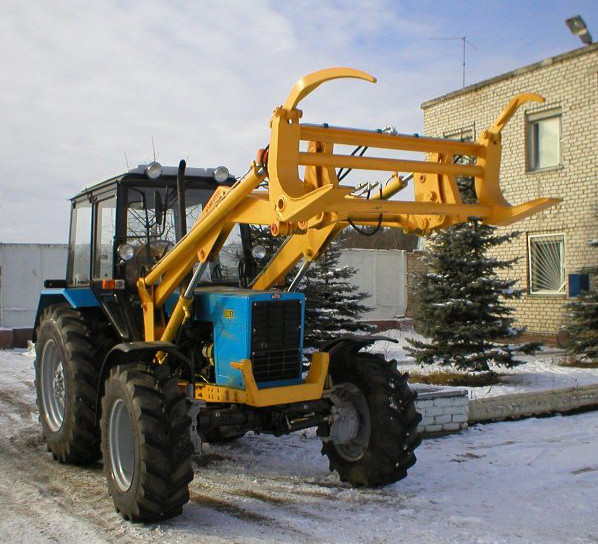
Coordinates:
<point>221,174</point>
<point>126,252</point>
<point>153,170</point>
<point>258,252</point>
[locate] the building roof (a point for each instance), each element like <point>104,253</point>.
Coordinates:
<point>517,72</point>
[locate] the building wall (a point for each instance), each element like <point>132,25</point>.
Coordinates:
<point>415,267</point>
<point>23,269</point>
<point>569,81</point>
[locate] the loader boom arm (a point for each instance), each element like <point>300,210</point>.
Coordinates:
<point>313,210</point>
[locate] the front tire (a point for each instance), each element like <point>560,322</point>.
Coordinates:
<point>146,446</point>
<point>386,437</point>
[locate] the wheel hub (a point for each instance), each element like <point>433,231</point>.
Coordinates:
<point>58,382</point>
<point>121,445</point>
<point>350,426</point>
<point>53,386</point>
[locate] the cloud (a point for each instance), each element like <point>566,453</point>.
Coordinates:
<point>90,82</point>
<point>84,82</point>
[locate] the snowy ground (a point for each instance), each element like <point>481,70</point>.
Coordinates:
<point>541,371</point>
<point>520,482</point>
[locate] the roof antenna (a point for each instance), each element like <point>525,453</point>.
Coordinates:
<point>154,149</point>
<point>465,42</point>
<point>127,160</point>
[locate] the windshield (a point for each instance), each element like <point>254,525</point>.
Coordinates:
<point>152,230</point>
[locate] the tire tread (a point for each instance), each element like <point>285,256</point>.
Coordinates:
<point>164,466</point>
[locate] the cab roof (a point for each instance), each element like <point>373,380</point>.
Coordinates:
<point>137,175</point>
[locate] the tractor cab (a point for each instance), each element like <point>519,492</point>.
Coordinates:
<point>122,226</point>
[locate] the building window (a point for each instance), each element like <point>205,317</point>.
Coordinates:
<point>465,184</point>
<point>465,134</point>
<point>547,264</point>
<point>543,140</point>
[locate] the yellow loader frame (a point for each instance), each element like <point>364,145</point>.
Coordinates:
<point>313,210</point>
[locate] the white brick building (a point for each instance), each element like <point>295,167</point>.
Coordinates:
<point>550,149</point>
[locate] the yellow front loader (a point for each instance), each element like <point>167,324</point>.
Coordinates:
<point>149,345</point>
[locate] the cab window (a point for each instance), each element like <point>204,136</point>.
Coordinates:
<point>79,260</point>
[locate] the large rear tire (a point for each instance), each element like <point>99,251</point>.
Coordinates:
<point>146,445</point>
<point>386,438</point>
<point>66,377</point>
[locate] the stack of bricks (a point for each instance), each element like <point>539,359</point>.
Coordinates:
<point>442,410</point>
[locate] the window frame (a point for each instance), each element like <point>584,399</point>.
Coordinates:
<point>530,241</point>
<point>532,119</point>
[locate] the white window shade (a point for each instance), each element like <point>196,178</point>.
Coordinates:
<point>544,140</point>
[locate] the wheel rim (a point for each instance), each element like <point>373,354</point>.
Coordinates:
<point>53,385</point>
<point>355,449</point>
<point>122,445</point>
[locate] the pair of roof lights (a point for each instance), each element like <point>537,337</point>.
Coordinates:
<point>154,170</point>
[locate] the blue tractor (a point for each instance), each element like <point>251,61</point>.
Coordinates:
<point>101,393</point>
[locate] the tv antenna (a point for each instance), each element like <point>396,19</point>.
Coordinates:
<point>465,43</point>
<point>154,149</point>
<point>156,155</point>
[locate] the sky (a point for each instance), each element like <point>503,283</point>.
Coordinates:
<point>85,82</point>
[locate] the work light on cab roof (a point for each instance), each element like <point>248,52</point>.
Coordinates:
<point>153,170</point>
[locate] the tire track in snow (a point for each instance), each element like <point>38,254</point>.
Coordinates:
<point>23,408</point>
<point>43,490</point>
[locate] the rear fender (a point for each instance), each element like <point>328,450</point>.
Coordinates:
<point>78,297</point>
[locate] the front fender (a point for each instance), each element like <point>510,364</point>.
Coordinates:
<point>351,344</point>
<point>143,352</point>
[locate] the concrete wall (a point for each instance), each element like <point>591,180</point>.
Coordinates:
<point>381,273</point>
<point>567,82</point>
<point>533,403</point>
<point>23,269</point>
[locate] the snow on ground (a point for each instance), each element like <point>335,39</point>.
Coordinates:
<point>540,371</point>
<point>531,481</point>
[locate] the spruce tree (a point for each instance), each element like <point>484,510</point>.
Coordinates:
<point>583,326</point>
<point>462,302</point>
<point>333,304</point>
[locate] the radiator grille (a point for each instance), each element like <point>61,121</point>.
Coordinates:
<point>276,340</point>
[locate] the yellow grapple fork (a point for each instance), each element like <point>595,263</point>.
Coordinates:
<point>313,210</point>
